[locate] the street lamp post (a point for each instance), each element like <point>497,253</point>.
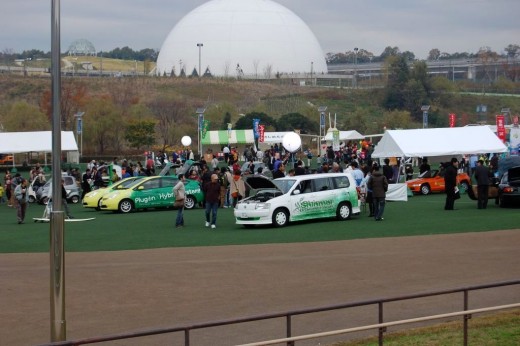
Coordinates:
<point>322,110</point>
<point>425,110</point>
<point>200,117</point>
<point>355,67</point>
<point>200,45</point>
<point>79,130</point>
<point>312,71</point>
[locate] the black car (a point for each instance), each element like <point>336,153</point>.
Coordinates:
<point>509,187</point>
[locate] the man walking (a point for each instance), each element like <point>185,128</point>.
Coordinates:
<point>21,195</point>
<point>212,197</point>
<point>482,176</point>
<point>379,185</point>
<point>179,192</point>
<point>450,183</point>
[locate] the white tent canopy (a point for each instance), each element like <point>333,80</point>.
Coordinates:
<point>438,142</point>
<point>37,141</point>
<point>345,136</point>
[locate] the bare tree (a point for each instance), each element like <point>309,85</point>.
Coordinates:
<point>268,71</point>
<point>255,65</point>
<point>169,114</point>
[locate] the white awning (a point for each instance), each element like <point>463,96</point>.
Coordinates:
<point>35,141</point>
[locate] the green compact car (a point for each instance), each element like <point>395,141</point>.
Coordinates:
<point>151,192</point>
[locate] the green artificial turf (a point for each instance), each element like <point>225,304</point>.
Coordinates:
<point>421,215</point>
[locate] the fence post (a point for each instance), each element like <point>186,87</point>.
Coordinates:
<point>186,337</point>
<point>289,328</point>
<point>382,330</point>
<point>466,317</point>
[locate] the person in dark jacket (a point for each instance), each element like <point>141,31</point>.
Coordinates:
<point>212,198</point>
<point>482,176</point>
<point>450,183</point>
<point>379,185</point>
<point>388,171</point>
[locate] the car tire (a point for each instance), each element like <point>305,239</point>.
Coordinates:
<point>501,202</point>
<point>32,199</point>
<point>465,185</point>
<point>280,217</point>
<point>189,202</point>
<point>98,208</point>
<point>344,211</point>
<point>425,189</point>
<point>74,199</point>
<point>126,206</point>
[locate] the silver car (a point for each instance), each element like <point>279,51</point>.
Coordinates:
<point>71,186</point>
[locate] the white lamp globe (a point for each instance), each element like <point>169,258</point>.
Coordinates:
<point>292,142</point>
<point>186,141</point>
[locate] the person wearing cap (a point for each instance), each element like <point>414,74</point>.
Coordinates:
<point>22,197</point>
<point>482,175</point>
<point>450,183</point>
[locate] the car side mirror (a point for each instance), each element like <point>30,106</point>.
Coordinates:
<point>296,192</point>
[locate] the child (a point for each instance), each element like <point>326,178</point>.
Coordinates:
<point>2,200</point>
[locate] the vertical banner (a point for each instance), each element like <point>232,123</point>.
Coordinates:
<point>229,129</point>
<point>322,120</point>
<point>205,128</point>
<point>255,128</point>
<point>501,129</point>
<point>452,119</point>
<point>80,126</point>
<point>201,121</point>
<point>261,130</point>
<point>335,140</point>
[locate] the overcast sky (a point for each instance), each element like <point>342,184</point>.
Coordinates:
<point>340,25</point>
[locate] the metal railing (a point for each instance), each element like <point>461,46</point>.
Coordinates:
<point>288,315</point>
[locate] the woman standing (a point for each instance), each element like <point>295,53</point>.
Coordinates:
<point>238,187</point>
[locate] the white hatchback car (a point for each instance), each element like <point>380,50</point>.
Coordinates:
<point>299,198</point>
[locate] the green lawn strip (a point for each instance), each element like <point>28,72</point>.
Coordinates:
<point>421,215</point>
<point>501,329</point>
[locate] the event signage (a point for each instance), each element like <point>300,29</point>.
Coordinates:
<point>501,129</point>
<point>261,131</point>
<point>229,129</point>
<point>255,128</point>
<point>201,121</point>
<point>322,120</point>
<point>335,140</point>
<point>452,119</point>
<point>205,128</point>
<point>80,126</point>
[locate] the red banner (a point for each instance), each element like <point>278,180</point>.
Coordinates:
<point>261,129</point>
<point>501,129</point>
<point>453,119</point>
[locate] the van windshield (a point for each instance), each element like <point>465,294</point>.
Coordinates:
<point>284,185</point>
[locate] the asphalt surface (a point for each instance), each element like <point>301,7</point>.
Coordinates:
<point>114,292</point>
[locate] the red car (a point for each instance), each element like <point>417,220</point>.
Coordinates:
<point>432,181</point>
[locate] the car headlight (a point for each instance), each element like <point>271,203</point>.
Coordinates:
<point>264,206</point>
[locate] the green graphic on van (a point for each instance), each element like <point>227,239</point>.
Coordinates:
<point>303,206</point>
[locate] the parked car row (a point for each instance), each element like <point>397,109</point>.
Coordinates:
<point>136,193</point>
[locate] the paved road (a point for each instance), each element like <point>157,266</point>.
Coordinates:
<point>114,292</point>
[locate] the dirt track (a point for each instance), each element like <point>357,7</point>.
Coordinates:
<point>114,292</point>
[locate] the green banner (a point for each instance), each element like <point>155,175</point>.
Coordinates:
<point>205,128</point>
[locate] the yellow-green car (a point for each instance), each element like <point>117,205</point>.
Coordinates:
<point>151,192</point>
<point>93,198</point>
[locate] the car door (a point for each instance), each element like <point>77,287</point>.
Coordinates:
<point>300,200</point>
<point>325,197</point>
<point>146,194</point>
<point>166,198</point>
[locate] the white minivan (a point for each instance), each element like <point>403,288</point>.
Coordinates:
<point>299,198</point>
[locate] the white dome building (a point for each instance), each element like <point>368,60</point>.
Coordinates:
<point>254,37</point>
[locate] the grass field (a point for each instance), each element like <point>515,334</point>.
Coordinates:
<point>421,215</point>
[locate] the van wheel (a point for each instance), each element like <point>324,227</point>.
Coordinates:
<point>126,206</point>
<point>425,189</point>
<point>344,211</point>
<point>280,217</point>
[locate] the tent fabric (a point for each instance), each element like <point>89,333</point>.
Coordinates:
<point>224,137</point>
<point>37,141</point>
<point>438,142</point>
<point>345,136</point>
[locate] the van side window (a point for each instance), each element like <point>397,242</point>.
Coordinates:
<point>321,184</point>
<point>341,182</point>
<point>305,186</point>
